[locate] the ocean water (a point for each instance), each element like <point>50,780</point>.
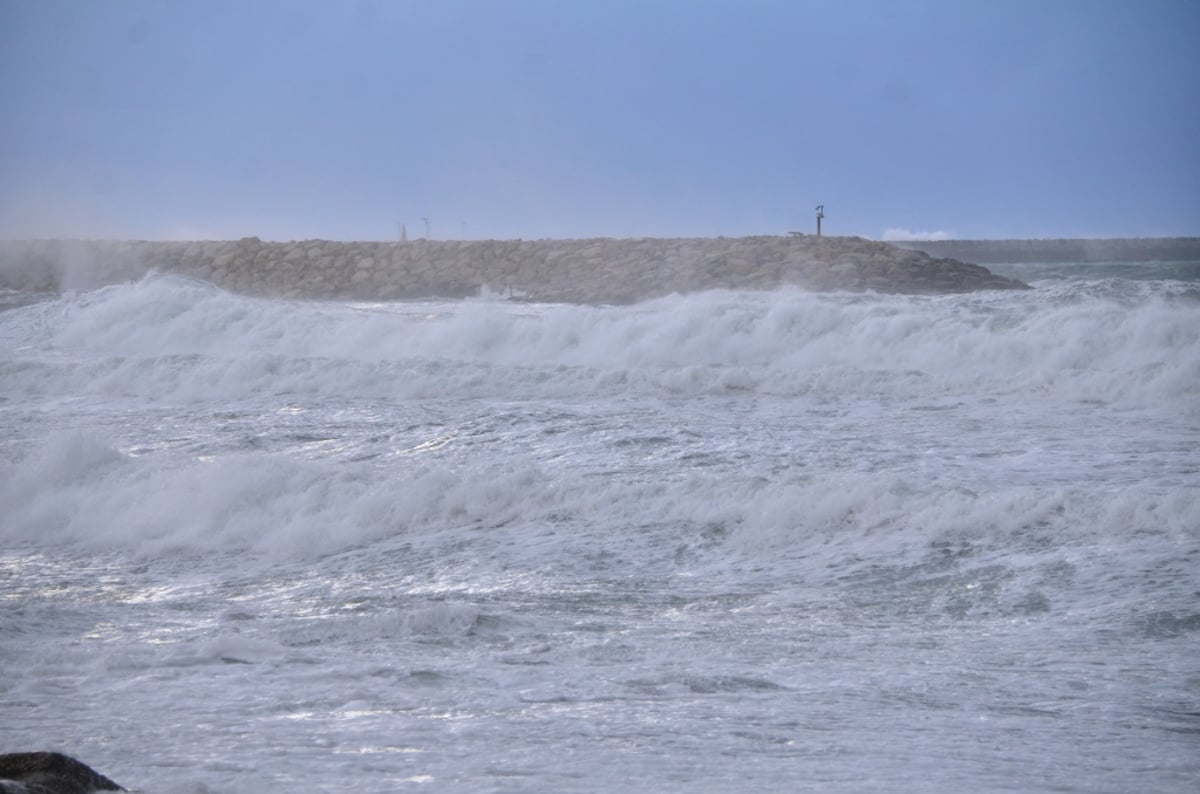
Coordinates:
<point>721,542</point>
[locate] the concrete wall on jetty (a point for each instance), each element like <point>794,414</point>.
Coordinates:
<point>1133,249</point>
<point>582,271</point>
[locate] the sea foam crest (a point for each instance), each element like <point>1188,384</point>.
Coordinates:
<point>166,338</point>
<point>75,489</point>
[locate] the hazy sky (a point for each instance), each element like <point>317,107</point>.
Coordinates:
<point>577,118</point>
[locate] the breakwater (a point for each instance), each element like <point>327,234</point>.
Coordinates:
<point>582,271</point>
<point>1131,249</point>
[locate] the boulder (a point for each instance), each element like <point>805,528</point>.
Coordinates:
<point>49,773</point>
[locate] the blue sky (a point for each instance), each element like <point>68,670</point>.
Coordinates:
<point>290,119</point>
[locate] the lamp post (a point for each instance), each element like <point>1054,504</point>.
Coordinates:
<point>820,215</point>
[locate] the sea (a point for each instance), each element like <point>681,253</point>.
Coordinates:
<point>728,541</point>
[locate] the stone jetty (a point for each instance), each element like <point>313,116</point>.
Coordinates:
<point>577,271</point>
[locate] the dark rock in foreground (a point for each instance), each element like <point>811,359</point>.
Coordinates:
<point>49,773</point>
<point>575,271</point>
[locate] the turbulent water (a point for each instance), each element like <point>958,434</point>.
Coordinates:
<point>731,541</point>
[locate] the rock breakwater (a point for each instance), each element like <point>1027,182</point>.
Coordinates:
<point>579,271</point>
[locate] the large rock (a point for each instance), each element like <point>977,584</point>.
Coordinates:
<point>49,773</point>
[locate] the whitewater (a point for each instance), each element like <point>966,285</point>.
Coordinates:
<point>727,541</point>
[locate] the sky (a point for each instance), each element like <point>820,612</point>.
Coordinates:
<point>502,119</point>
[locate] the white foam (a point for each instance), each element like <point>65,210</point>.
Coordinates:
<point>789,340</point>
<point>76,489</point>
<point>193,352</point>
<point>168,339</point>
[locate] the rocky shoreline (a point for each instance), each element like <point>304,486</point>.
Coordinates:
<point>577,271</point>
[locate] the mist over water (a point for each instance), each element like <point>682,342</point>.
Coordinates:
<point>1117,273</point>
<point>783,540</point>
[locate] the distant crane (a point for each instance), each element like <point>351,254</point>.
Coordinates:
<point>820,215</point>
